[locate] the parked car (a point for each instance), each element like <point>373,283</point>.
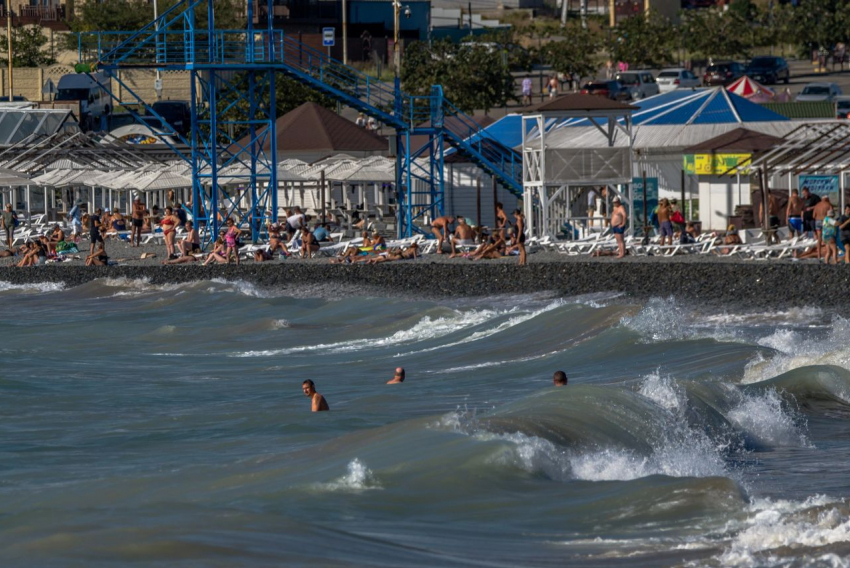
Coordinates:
<point>641,83</point>
<point>722,73</point>
<point>610,89</point>
<point>842,107</point>
<point>819,92</point>
<point>90,91</point>
<point>672,79</point>
<point>769,70</point>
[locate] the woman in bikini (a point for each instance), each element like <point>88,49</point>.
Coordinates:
<point>169,226</point>
<point>218,252</point>
<point>230,240</point>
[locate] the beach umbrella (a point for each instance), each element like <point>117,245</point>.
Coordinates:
<point>747,88</point>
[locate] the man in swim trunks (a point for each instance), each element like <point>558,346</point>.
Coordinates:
<point>138,220</point>
<point>560,379</point>
<point>618,226</point>
<point>94,230</point>
<point>464,236</point>
<point>319,402</point>
<point>440,228</point>
<point>794,214</point>
<point>819,212</point>
<point>665,225</point>
<point>398,377</point>
<point>192,243</point>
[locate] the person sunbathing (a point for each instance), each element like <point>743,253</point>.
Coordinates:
<point>218,253</point>
<point>263,255</point>
<point>309,244</point>
<point>98,257</point>
<point>394,254</point>
<point>186,259</point>
<point>192,243</point>
<point>464,235</point>
<point>731,240</point>
<point>119,224</point>
<point>275,242</point>
<point>491,249</point>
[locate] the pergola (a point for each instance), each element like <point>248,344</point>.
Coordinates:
<point>813,149</point>
<point>550,173</point>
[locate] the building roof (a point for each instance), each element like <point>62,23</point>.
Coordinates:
<point>738,140</point>
<point>578,102</point>
<point>803,110</point>
<point>313,128</point>
<point>694,106</point>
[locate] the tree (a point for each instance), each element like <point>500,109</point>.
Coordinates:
<point>473,76</point>
<point>575,54</point>
<point>27,47</point>
<point>717,33</point>
<point>643,41</point>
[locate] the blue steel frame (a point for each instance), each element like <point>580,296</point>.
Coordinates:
<point>235,69</point>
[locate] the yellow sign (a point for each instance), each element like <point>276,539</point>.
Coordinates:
<point>716,164</point>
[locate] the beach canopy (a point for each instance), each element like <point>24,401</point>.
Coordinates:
<point>748,88</point>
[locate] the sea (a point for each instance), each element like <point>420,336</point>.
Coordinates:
<point>165,425</point>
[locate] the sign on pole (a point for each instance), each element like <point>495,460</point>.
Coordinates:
<point>637,199</point>
<point>328,37</point>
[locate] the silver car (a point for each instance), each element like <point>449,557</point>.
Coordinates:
<point>672,79</point>
<point>819,92</point>
<point>641,83</point>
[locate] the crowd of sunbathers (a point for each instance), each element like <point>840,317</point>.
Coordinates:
<point>477,243</point>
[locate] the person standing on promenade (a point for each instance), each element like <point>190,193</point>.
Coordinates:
<point>501,219</point>
<point>794,214</point>
<point>398,377</point>
<point>319,402</point>
<point>665,225</point>
<point>559,379</point>
<point>8,221</point>
<point>440,228</point>
<point>618,226</point>
<point>527,89</point>
<point>75,218</point>
<point>94,230</point>
<point>810,200</point>
<point>520,236</point>
<point>138,221</point>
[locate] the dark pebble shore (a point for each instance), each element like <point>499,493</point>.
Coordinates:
<point>703,281</point>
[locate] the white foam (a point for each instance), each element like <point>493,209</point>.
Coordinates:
<point>424,330</point>
<point>665,320</point>
<point>663,391</point>
<point>795,349</point>
<point>763,418</point>
<point>45,287</point>
<point>280,324</point>
<point>771,525</point>
<point>357,478</point>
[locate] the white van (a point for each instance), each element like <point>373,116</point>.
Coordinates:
<point>82,88</point>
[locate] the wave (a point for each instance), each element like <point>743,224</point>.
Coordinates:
<point>357,478</point>
<point>662,320</point>
<point>40,287</point>
<point>809,384</point>
<point>425,329</point>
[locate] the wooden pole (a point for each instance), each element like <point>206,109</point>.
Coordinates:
<point>683,196</point>
<point>645,217</point>
<point>495,200</point>
<point>322,182</point>
<point>765,201</point>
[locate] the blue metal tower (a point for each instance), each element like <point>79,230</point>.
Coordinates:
<point>233,111</point>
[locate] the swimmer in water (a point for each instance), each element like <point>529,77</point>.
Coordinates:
<point>319,402</point>
<point>398,377</point>
<point>560,379</point>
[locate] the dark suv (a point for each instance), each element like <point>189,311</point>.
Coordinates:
<point>769,70</point>
<point>722,73</point>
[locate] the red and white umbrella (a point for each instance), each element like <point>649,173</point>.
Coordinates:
<point>747,88</point>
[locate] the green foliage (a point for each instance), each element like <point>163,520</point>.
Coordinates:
<point>717,33</point>
<point>575,54</point>
<point>473,76</point>
<point>644,41</point>
<point>27,47</point>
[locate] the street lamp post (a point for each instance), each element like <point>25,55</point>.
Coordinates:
<point>397,9</point>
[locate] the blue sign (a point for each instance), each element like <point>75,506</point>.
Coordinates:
<point>822,186</point>
<point>328,37</point>
<point>637,198</point>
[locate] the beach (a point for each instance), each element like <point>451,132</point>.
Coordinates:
<point>725,282</point>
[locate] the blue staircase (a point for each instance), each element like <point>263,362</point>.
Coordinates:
<point>173,42</point>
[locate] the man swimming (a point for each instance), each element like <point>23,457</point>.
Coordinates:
<point>560,379</point>
<point>398,377</point>
<point>319,402</point>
